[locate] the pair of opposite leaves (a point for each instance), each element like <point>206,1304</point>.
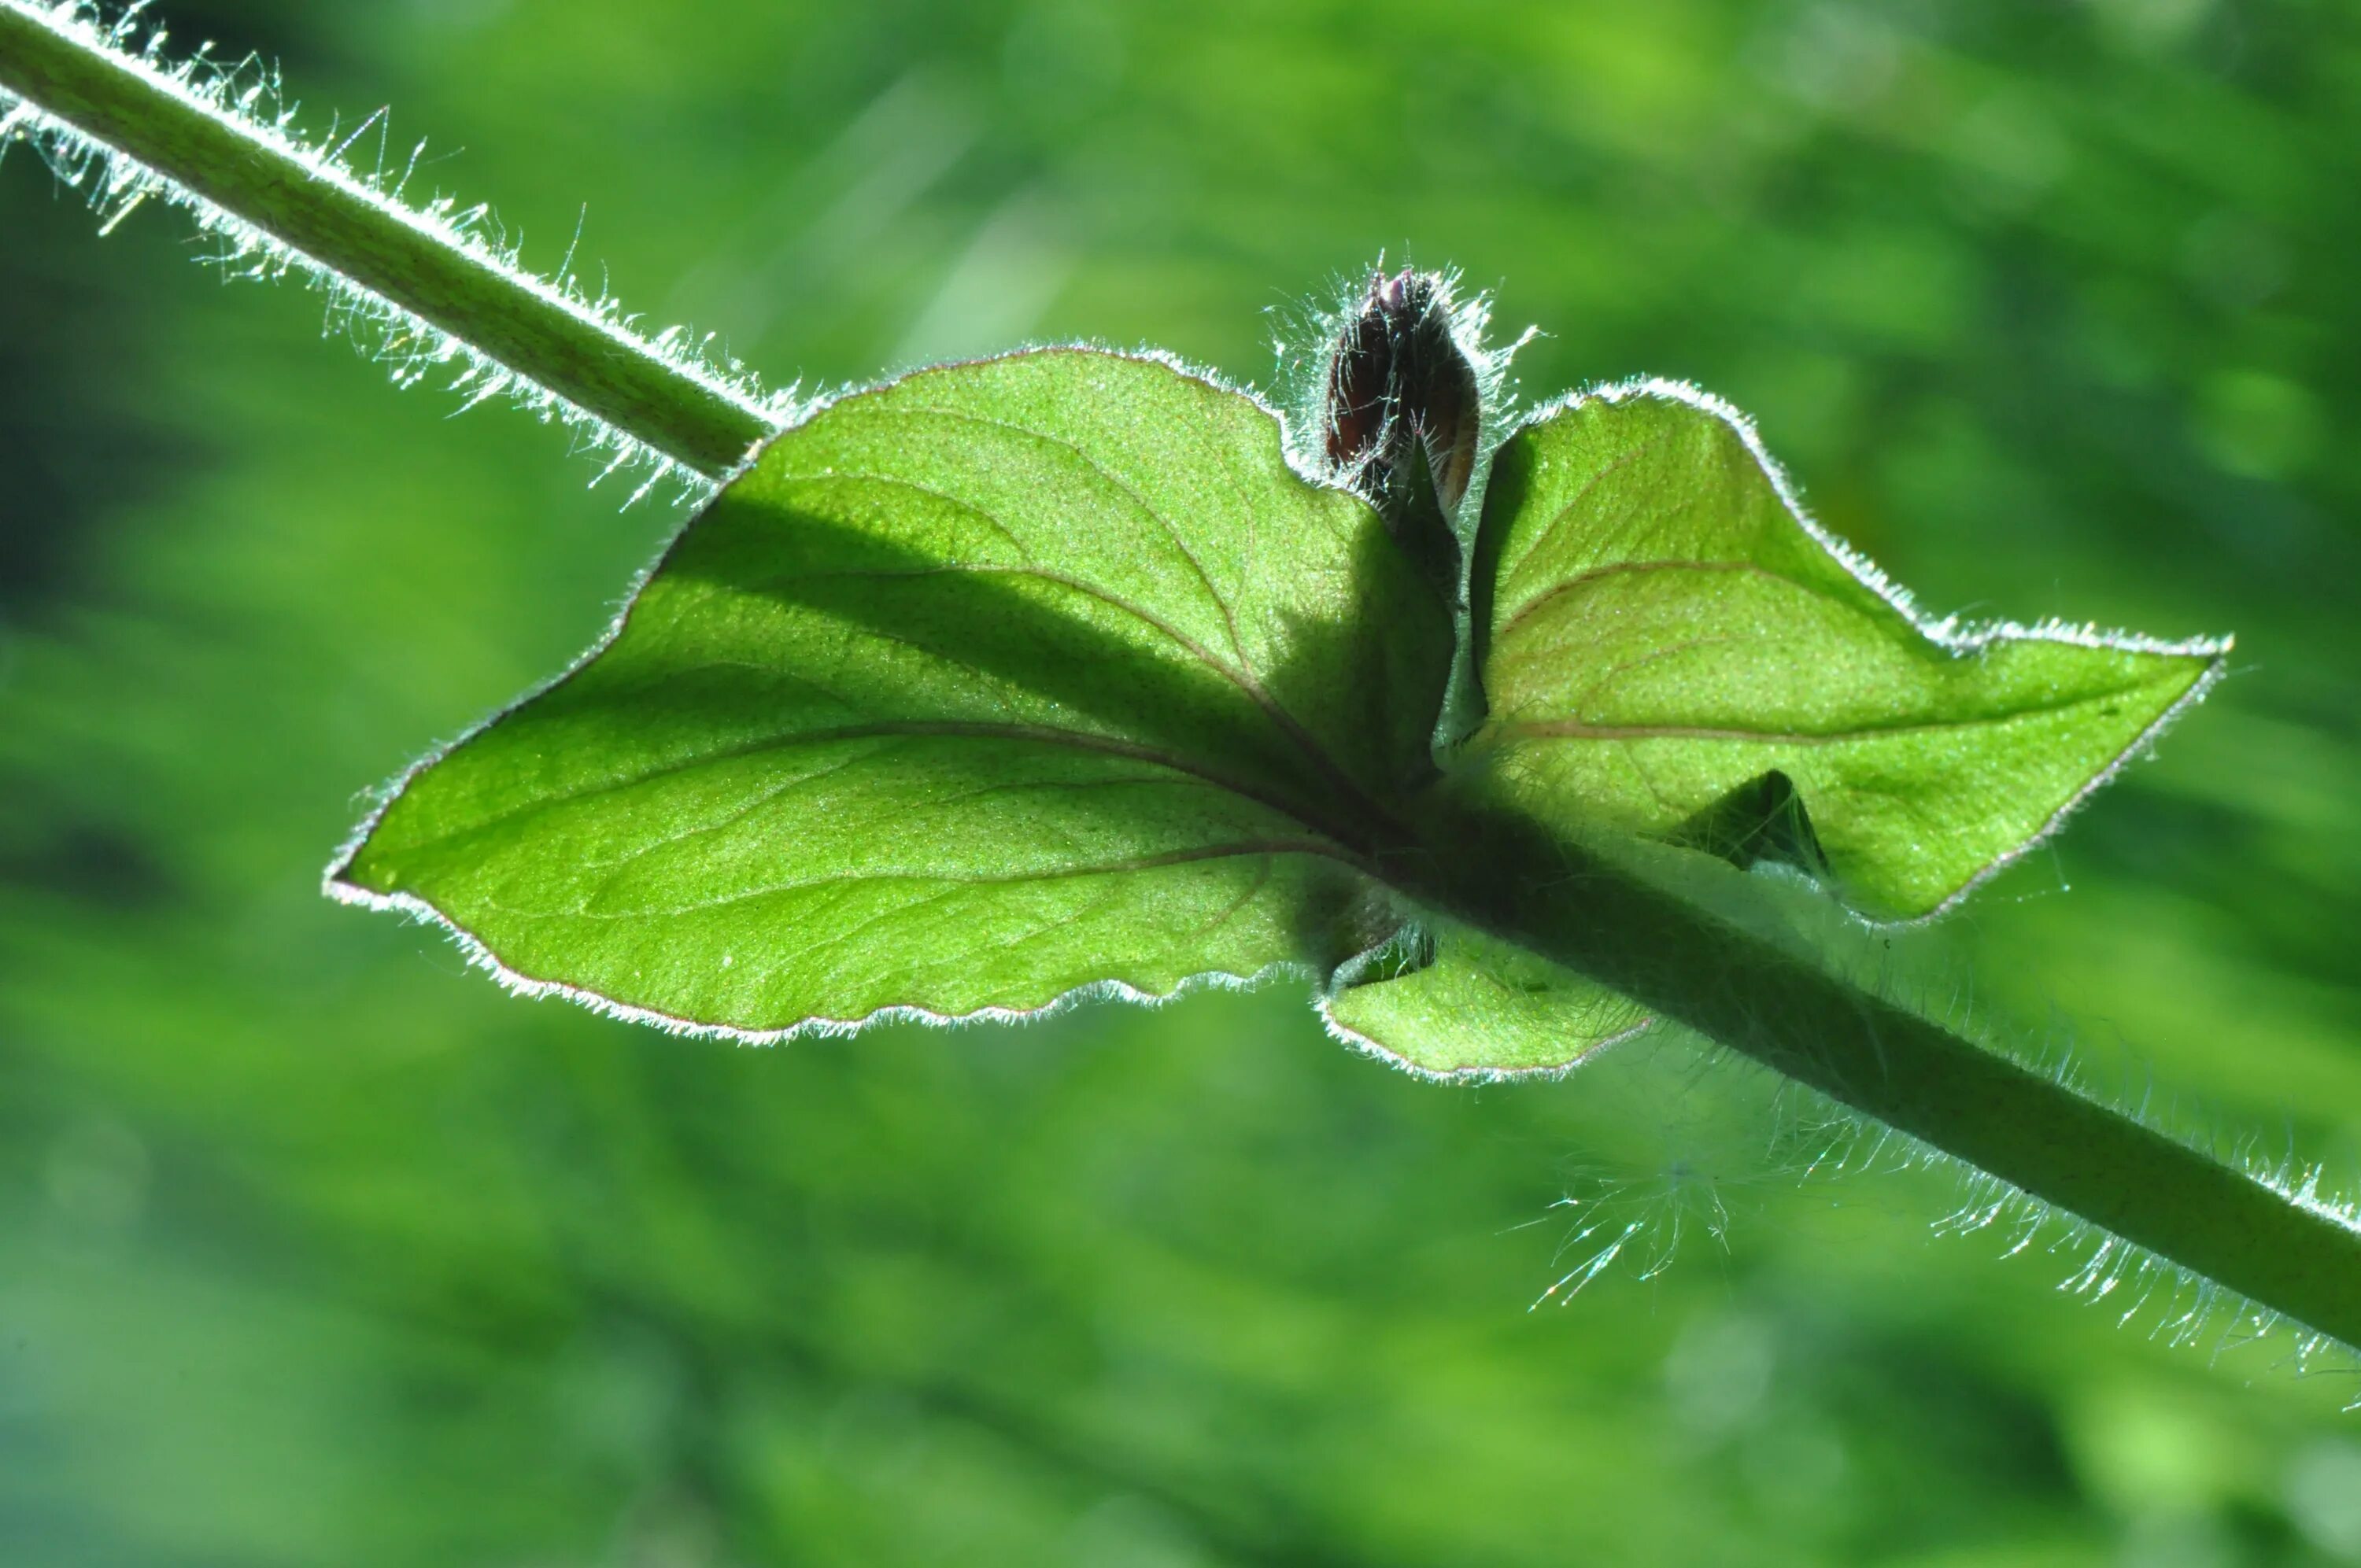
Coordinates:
<point>1049,674</point>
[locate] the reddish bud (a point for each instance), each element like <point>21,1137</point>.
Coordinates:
<point>1399,384</point>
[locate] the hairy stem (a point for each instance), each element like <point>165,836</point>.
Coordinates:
<point>58,62</point>
<point>1589,914</point>
<point>2029,1131</point>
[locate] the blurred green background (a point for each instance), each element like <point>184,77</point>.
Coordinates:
<point>315,1248</point>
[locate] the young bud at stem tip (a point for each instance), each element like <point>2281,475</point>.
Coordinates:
<point>1399,389</point>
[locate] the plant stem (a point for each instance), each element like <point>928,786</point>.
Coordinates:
<point>1592,915</point>
<point>305,204</point>
<point>2029,1131</point>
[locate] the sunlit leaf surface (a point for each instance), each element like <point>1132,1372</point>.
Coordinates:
<point>1002,681</point>
<point>1664,632</point>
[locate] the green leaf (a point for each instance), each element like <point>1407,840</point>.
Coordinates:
<point>1449,1001</point>
<point>997,683</point>
<point>1663,632</point>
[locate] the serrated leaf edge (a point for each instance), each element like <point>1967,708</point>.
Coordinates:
<point>516,983</point>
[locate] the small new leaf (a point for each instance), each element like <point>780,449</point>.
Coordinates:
<point>1000,683</point>
<point>1445,1001</point>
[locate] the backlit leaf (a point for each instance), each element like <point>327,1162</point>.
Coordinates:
<point>1669,648</point>
<point>1001,682</point>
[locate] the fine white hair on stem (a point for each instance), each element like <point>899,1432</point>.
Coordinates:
<point>249,97</point>
<point>1629,1212</point>
<point>2135,1286</point>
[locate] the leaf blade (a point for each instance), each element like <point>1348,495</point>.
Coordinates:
<point>1001,682</point>
<point>1663,628</point>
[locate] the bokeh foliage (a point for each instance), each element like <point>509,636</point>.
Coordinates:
<point>315,1248</point>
